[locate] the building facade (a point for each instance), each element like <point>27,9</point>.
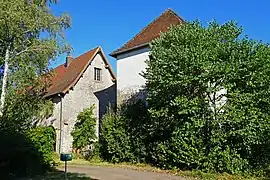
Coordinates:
<point>131,56</point>
<point>78,84</point>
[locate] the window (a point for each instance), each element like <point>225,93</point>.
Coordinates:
<point>97,74</point>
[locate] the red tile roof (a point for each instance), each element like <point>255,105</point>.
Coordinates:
<point>63,78</point>
<point>150,32</point>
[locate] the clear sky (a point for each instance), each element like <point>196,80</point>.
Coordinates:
<point>111,23</point>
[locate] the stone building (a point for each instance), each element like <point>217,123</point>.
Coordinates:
<point>132,55</point>
<point>77,84</point>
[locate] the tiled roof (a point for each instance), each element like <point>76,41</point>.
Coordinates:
<point>150,32</point>
<point>63,78</point>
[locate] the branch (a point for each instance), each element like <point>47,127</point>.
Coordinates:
<point>209,97</point>
<point>220,97</point>
<point>29,49</point>
<point>27,31</point>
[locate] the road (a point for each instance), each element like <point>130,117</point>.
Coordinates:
<point>113,173</point>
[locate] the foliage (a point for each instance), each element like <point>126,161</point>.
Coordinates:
<point>208,103</point>
<point>26,153</point>
<point>115,143</point>
<point>85,129</point>
<point>22,23</point>
<point>43,139</point>
<point>191,71</point>
<point>94,154</point>
<point>30,36</point>
<point>123,138</point>
<point>23,111</point>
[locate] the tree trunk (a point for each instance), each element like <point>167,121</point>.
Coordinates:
<point>4,82</point>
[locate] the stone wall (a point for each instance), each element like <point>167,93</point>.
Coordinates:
<point>85,93</point>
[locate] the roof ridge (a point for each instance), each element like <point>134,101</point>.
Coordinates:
<point>140,32</point>
<point>174,13</point>
<point>94,49</point>
<point>98,47</point>
<point>66,80</point>
<point>169,10</point>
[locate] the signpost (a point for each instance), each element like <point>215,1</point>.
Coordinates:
<point>65,157</point>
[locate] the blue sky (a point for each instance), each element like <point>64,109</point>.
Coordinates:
<point>111,23</point>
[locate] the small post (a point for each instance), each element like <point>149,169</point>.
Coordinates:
<point>66,178</point>
<point>65,157</point>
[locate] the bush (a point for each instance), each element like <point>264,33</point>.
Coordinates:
<point>84,132</point>
<point>26,153</point>
<point>43,139</point>
<point>208,104</point>
<point>94,154</point>
<point>208,95</point>
<point>115,142</point>
<point>123,136</point>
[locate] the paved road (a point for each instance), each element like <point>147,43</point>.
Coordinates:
<point>109,173</point>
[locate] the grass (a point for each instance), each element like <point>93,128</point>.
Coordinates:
<point>146,167</point>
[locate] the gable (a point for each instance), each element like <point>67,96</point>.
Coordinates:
<point>63,78</point>
<point>150,32</point>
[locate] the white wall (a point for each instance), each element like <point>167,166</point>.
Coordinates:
<point>129,67</point>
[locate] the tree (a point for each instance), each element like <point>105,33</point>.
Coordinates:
<point>30,35</point>
<point>85,129</point>
<point>190,127</point>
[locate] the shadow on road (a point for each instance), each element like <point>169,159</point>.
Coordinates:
<point>59,175</point>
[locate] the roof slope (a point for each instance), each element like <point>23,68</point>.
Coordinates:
<point>63,78</point>
<point>150,32</point>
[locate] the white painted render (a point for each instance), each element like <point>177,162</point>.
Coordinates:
<point>129,67</point>
<point>129,81</point>
<point>85,93</point>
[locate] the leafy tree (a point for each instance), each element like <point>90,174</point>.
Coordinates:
<point>30,35</point>
<point>208,104</point>
<point>23,111</point>
<point>208,95</point>
<point>85,129</point>
<point>115,140</point>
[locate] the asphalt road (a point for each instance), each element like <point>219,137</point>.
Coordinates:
<point>112,173</point>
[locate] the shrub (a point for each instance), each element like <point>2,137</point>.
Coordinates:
<point>123,136</point>
<point>26,153</point>
<point>191,71</point>
<point>115,142</point>
<point>85,129</point>
<point>208,104</point>
<point>43,139</point>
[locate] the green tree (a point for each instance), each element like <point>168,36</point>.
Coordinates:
<point>190,128</point>
<point>85,129</point>
<point>115,140</point>
<point>30,35</point>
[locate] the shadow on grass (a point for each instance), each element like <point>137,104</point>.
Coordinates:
<point>59,175</point>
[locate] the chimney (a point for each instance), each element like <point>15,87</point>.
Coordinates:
<point>68,60</point>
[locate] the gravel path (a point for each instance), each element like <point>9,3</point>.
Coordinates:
<point>112,173</point>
